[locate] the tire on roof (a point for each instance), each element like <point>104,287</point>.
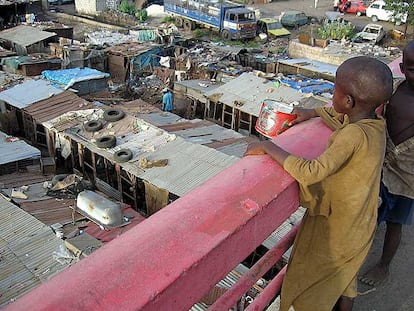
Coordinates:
<point>107,141</point>
<point>93,126</point>
<point>113,114</point>
<point>123,155</point>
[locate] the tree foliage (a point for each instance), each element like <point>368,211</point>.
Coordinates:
<point>399,9</point>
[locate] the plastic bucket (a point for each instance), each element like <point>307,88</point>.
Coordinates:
<point>274,118</point>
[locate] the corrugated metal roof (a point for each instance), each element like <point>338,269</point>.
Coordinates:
<point>311,65</point>
<point>247,92</point>
<point>137,106</point>
<point>13,151</point>
<point>51,211</point>
<point>16,180</point>
<point>56,105</point>
<point>27,247</point>
<point>29,92</point>
<point>189,164</point>
<point>236,149</point>
<point>25,35</point>
<point>161,118</point>
<point>106,236</point>
<point>199,85</point>
<point>207,134</point>
<point>283,229</point>
<point>230,279</point>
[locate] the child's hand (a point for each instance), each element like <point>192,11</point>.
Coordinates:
<point>302,114</point>
<point>255,148</point>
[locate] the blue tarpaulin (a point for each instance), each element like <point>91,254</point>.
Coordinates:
<point>68,77</point>
<point>147,58</point>
<point>308,85</point>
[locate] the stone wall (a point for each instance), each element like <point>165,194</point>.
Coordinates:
<point>112,4</point>
<point>90,7</point>
<point>299,50</point>
<point>336,52</point>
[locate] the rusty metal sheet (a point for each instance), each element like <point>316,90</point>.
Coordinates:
<point>20,179</point>
<point>52,211</point>
<point>108,235</point>
<point>52,107</point>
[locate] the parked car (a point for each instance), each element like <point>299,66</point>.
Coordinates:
<point>376,11</point>
<point>271,27</point>
<point>357,7</point>
<point>293,18</point>
<point>372,32</point>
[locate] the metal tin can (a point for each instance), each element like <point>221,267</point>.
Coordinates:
<point>274,118</point>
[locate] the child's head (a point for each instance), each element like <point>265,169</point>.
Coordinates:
<point>407,66</point>
<point>362,83</point>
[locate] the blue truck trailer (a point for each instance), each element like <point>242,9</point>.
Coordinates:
<point>231,21</point>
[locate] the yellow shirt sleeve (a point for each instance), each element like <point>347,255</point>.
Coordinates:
<point>331,118</point>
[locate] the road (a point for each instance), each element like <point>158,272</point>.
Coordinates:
<point>274,9</point>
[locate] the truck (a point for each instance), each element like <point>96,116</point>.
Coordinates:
<point>230,20</point>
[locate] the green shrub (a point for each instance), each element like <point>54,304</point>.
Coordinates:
<point>125,7</point>
<point>142,15</point>
<point>336,31</point>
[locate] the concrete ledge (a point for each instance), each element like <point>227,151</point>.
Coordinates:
<point>172,259</point>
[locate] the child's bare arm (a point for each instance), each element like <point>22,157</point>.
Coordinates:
<point>302,114</point>
<point>267,147</point>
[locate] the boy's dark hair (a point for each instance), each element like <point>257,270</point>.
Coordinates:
<point>409,47</point>
<point>367,80</point>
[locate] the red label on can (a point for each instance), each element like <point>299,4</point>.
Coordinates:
<point>271,121</point>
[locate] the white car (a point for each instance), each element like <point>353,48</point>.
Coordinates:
<point>372,33</point>
<point>376,11</point>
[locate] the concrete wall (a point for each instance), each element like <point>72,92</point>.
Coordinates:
<point>90,7</point>
<point>299,50</point>
<point>112,4</point>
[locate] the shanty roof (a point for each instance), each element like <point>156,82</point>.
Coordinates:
<point>248,91</point>
<point>201,86</point>
<point>188,166</point>
<point>29,92</point>
<point>27,247</point>
<point>56,105</point>
<point>25,35</point>
<point>13,150</point>
<point>311,65</point>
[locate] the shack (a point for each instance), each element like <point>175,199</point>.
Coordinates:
<point>16,154</point>
<point>161,166</point>
<point>20,96</point>
<point>127,60</point>
<point>26,40</point>
<point>82,80</point>
<point>30,65</point>
<point>44,110</point>
<point>236,104</point>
